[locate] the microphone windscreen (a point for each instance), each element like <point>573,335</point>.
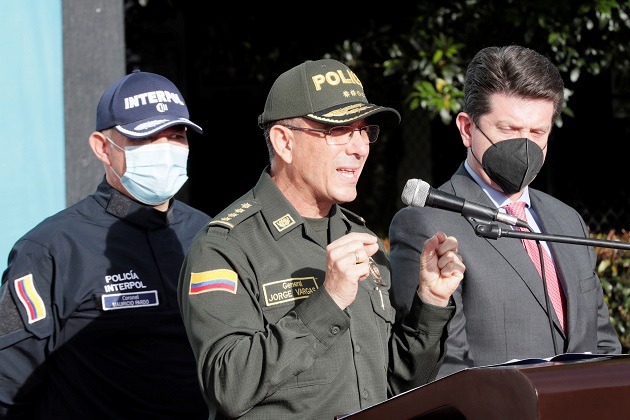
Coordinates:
<point>415,193</point>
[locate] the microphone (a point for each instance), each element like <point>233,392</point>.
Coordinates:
<point>418,193</point>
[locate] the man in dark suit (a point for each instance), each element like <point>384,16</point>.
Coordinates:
<point>512,97</point>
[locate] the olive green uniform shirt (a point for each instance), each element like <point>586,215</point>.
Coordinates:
<point>270,342</point>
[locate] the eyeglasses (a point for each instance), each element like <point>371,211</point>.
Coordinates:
<point>340,135</point>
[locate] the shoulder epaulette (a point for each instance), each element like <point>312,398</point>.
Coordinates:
<point>235,214</point>
<point>353,216</point>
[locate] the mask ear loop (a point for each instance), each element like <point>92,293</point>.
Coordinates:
<point>484,134</point>
<point>120,148</point>
<point>114,144</point>
<point>471,148</point>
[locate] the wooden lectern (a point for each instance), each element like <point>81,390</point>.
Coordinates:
<point>591,388</point>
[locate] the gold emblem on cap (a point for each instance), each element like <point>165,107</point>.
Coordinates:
<point>347,94</point>
<point>284,222</point>
<point>348,110</point>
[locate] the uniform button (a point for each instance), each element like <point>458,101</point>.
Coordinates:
<point>358,349</point>
<point>334,330</point>
<point>365,394</point>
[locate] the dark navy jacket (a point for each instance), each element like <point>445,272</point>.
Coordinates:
<point>89,321</point>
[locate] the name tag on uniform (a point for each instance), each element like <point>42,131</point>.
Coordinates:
<point>129,300</point>
<point>282,291</point>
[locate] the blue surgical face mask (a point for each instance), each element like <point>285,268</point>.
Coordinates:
<point>155,172</point>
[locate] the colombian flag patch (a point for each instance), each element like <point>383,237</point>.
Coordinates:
<point>209,281</point>
<point>32,301</point>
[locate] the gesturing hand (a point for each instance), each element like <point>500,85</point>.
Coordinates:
<point>347,263</point>
<point>441,269</point>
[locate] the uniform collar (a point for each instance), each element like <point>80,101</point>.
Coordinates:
<point>122,207</point>
<point>280,215</point>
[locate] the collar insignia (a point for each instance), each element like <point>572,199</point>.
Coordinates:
<point>283,222</point>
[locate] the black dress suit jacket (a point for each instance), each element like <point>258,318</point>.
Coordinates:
<point>500,304</point>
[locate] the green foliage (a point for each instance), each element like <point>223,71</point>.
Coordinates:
<point>613,269</point>
<point>430,53</point>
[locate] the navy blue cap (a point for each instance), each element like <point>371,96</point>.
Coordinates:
<point>142,104</point>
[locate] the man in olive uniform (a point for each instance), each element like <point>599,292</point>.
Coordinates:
<point>285,295</point>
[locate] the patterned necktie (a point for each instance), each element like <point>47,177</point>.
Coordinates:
<point>554,288</point>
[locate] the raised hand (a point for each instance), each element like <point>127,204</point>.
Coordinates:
<point>347,263</point>
<point>441,269</point>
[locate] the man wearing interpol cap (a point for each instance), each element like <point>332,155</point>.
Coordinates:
<point>90,327</point>
<point>285,295</point>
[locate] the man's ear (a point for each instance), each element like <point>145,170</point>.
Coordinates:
<point>465,125</point>
<point>98,144</point>
<point>281,139</point>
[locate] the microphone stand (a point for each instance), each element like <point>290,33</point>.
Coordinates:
<point>487,229</point>
<point>493,231</point>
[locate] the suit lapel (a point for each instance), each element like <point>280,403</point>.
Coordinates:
<point>510,249</point>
